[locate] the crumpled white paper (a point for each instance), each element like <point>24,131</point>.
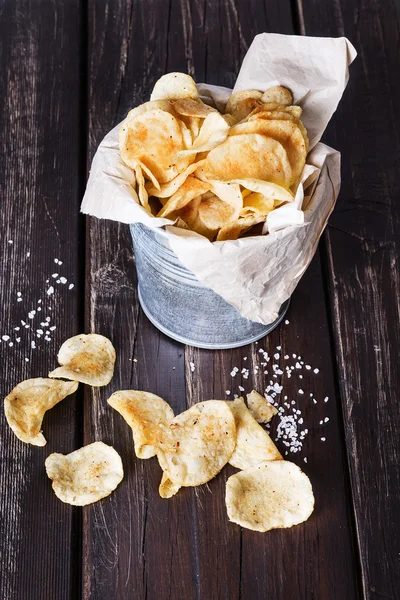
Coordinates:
<point>255,274</point>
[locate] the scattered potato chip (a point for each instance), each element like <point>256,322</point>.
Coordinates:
<point>270,495</point>
<point>191,188</point>
<point>143,412</point>
<point>278,94</point>
<point>286,133</point>
<point>253,444</point>
<point>240,104</point>
<point>197,443</point>
<point>167,488</point>
<point>213,132</point>
<point>27,403</point>
<point>260,409</point>
<point>232,230</point>
<point>174,86</point>
<point>251,156</point>
<point>86,475</point>
<point>86,358</point>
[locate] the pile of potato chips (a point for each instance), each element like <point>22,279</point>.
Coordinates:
<point>191,447</point>
<point>216,174</point>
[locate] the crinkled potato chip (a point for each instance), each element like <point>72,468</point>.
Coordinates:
<point>249,156</point>
<point>197,444</point>
<point>253,444</point>
<point>212,133</point>
<point>286,133</point>
<point>86,358</point>
<point>278,94</point>
<point>215,213</point>
<point>167,488</point>
<point>193,108</point>
<point>86,475</point>
<point>190,189</point>
<point>232,230</point>
<point>26,405</point>
<point>271,495</point>
<point>240,104</point>
<point>154,138</point>
<point>260,409</point>
<point>143,412</point>
<point>174,86</point>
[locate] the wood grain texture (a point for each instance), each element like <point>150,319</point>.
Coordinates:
<point>362,260</point>
<point>185,547</point>
<point>39,165</point>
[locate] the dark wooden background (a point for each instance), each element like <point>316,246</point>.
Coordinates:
<point>70,70</point>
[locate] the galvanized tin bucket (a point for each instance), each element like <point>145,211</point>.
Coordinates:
<point>175,301</point>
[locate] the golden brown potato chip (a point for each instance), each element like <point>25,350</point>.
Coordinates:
<point>286,133</point>
<point>240,104</point>
<point>213,132</point>
<point>272,114</point>
<point>256,203</point>
<point>197,444</point>
<point>26,405</point>
<point>278,94</point>
<point>167,488</point>
<point>148,174</point>
<point>215,213</point>
<point>260,409</point>
<point>232,230</point>
<point>271,495</point>
<point>191,188</point>
<point>143,412</point>
<point>86,475</point>
<point>266,188</point>
<point>193,108</point>
<point>294,110</point>
<point>190,215</point>
<point>251,156</point>
<point>154,138</point>
<point>253,444</point>
<point>86,358</point>
<point>142,192</point>
<point>174,86</point>
<point>168,189</point>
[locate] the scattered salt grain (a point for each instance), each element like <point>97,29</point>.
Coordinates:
<point>228,392</point>
<point>241,389</point>
<point>323,439</point>
<point>19,299</point>
<point>316,371</point>
<point>47,338</point>
<point>294,355</point>
<point>305,459</point>
<point>192,367</point>
<point>279,347</point>
<point>63,280</point>
<point>71,285</point>
<point>52,328</point>
<point>277,356</point>
<point>326,399</point>
<point>10,241</point>
<point>50,291</point>
<point>17,328</point>
<point>287,322</point>
<point>19,294</point>
<point>326,419</point>
<point>54,275</point>
<point>39,301</point>
<point>301,392</point>
<point>26,359</point>
<point>314,400</point>
<point>33,344</point>
<point>11,344</point>
<point>28,254</point>
<point>5,337</point>
<point>286,356</point>
<point>18,339</point>
<point>58,281</point>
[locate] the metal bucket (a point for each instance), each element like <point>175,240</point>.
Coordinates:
<point>175,301</point>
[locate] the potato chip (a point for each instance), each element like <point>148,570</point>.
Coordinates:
<point>240,104</point>
<point>256,203</point>
<point>266,188</point>
<point>154,138</point>
<point>253,444</point>
<point>142,192</point>
<point>271,495</point>
<point>191,188</point>
<point>286,133</point>
<point>86,358</point>
<point>295,111</point>
<point>174,86</point>
<point>278,94</point>
<point>190,215</point>
<point>215,213</point>
<point>213,132</point>
<point>272,114</point>
<point>197,444</point>
<point>261,410</point>
<point>193,108</point>
<point>86,475</point>
<point>251,156</point>
<point>168,189</point>
<point>149,175</point>
<point>143,412</point>
<point>167,488</point>
<point>232,230</point>
<point>164,105</point>
<point>27,403</point>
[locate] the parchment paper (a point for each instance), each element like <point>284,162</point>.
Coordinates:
<point>255,274</point>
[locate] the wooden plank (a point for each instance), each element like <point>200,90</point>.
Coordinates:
<point>134,542</point>
<point>362,258</point>
<point>40,179</point>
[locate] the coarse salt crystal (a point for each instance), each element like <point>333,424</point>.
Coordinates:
<point>18,339</point>
<point>52,328</point>
<point>47,338</point>
<point>39,301</point>
<point>19,294</point>
<point>286,356</point>
<point>305,459</point>
<point>50,291</point>
<point>26,359</point>
<point>71,285</point>
<point>58,281</point>
<point>17,328</point>
<point>301,392</point>
<point>279,347</point>
<point>326,399</point>
<point>40,331</point>
<point>277,356</point>
<point>192,366</point>
<point>28,254</point>
<point>11,344</point>
<point>314,400</point>
<point>10,241</point>
<point>300,376</point>
<point>316,371</point>
<point>19,299</point>
<point>298,365</point>
<point>326,419</point>
<point>54,275</point>
<point>323,439</point>
<point>241,389</point>
<point>321,422</point>
<point>5,337</point>
<point>287,322</point>
<point>48,319</point>
<point>228,392</point>
<point>33,344</point>
<point>39,308</point>
<point>63,279</point>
